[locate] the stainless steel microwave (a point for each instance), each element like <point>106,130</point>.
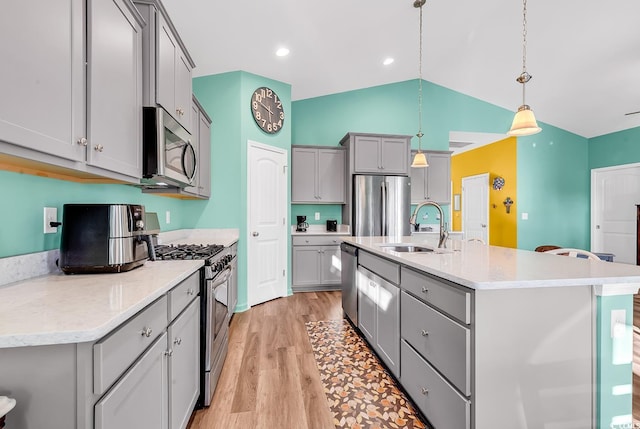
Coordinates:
<point>168,157</point>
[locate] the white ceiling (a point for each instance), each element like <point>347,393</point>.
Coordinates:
<point>584,55</point>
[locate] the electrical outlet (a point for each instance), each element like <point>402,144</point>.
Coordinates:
<point>167,217</point>
<point>618,323</point>
<point>317,216</point>
<point>50,215</point>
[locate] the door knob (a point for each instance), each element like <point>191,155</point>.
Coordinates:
<point>255,233</point>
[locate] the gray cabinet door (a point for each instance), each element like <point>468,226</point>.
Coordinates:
<point>139,399</point>
<point>114,85</point>
<point>331,176</point>
<point>306,265</point>
<point>418,185</point>
<point>183,91</point>
<point>394,155</point>
<point>387,342</point>
<point>367,314</point>
<point>184,365</point>
<point>42,75</point>
<point>195,141</point>
<point>438,177</point>
<point>204,141</point>
<point>166,48</point>
<point>367,154</point>
<point>329,265</point>
<point>304,175</point>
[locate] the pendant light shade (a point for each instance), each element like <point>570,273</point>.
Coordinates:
<point>420,160</point>
<point>524,123</point>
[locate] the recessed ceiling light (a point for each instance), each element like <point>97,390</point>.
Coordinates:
<point>282,52</point>
<point>387,61</point>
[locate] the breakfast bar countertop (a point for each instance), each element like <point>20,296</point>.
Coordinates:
<point>63,309</point>
<point>479,266</point>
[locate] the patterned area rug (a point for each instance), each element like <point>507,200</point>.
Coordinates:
<point>360,392</point>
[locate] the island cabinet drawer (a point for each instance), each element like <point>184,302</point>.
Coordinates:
<point>445,343</point>
<point>380,266</point>
<point>113,354</point>
<point>181,295</point>
<point>439,402</point>
<point>453,300</point>
<point>316,240</point>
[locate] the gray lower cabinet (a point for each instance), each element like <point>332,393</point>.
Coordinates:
<point>76,118</point>
<point>315,263</point>
<point>138,400</point>
<point>434,182</point>
<point>318,175</point>
<point>184,365</point>
<point>378,154</point>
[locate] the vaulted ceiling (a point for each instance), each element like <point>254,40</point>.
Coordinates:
<point>584,55</point>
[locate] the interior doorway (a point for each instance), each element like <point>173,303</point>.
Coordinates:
<point>267,223</point>
<point>475,207</point>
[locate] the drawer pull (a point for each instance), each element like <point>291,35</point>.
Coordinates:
<point>177,341</point>
<point>146,332</point>
<point>190,291</point>
<point>168,352</point>
<point>425,333</point>
<point>425,289</point>
<point>425,391</point>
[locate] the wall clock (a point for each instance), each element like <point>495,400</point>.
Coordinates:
<point>267,110</point>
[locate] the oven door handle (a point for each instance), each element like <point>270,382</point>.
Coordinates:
<point>221,278</point>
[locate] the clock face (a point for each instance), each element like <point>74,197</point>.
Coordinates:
<point>267,110</point>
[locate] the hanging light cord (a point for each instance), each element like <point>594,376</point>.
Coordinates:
<point>419,4</point>
<point>524,76</point>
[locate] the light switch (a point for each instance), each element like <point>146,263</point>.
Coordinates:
<point>167,217</point>
<point>317,217</point>
<point>618,323</point>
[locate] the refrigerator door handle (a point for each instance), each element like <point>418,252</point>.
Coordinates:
<point>384,208</point>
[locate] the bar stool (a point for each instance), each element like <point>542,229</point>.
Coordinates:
<point>6,405</point>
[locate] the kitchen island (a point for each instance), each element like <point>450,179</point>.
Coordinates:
<point>490,337</point>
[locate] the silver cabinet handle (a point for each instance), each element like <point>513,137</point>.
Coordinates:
<point>82,141</point>
<point>146,332</point>
<point>169,352</point>
<point>255,233</point>
<point>98,148</point>
<point>425,289</point>
<point>425,391</point>
<point>483,225</point>
<point>177,341</point>
<point>180,111</point>
<point>424,333</point>
<point>190,291</point>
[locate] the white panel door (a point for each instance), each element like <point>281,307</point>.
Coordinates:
<point>267,228</point>
<point>475,207</point>
<point>615,191</point>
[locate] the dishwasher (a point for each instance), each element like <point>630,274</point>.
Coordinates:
<point>349,260</point>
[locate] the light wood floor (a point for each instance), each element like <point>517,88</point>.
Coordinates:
<point>270,379</point>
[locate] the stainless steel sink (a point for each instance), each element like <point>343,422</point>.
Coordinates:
<point>406,248</point>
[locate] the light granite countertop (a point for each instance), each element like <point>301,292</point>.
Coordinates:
<point>62,309</point>
<point>480,266</point>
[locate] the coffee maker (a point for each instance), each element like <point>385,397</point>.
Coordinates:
<point>302,224</point>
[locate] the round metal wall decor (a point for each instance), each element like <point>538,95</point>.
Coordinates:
<point>498,183</point>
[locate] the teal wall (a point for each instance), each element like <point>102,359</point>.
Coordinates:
<point>622,147</point>
<point>23,197</point>
<point>327,211</point>
<point>226,98</point>
<point>553,170</point>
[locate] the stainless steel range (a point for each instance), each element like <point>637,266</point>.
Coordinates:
<point>215,290</point>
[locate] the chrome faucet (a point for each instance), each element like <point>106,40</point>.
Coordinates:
<point>443,233</point>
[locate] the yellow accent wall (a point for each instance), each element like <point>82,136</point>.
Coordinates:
<point>497,159</point>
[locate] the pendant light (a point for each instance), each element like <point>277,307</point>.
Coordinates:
<point>524,122</point>
<point>420,160</point>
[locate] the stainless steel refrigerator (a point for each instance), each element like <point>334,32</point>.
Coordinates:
<point>381,206</point>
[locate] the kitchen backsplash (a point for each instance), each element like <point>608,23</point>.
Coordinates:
<point>22,267</point>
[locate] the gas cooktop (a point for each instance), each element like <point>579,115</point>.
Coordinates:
<point>187,251</point>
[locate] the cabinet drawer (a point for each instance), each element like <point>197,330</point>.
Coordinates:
<point>316,240</point>
<point>439,402</point>
<point>181,295</point>
<point>453,300</point>
<point>382,267</point>
<point>115,353</point>
<point>443,342</point>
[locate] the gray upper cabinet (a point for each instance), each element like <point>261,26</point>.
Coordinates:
<point>432,183</point>
<point>378,154</point>
<point>167,66</point>
<point>73,115</point>
<point>114,59</point>
<point>318,175</point>
<point>201,141</point>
